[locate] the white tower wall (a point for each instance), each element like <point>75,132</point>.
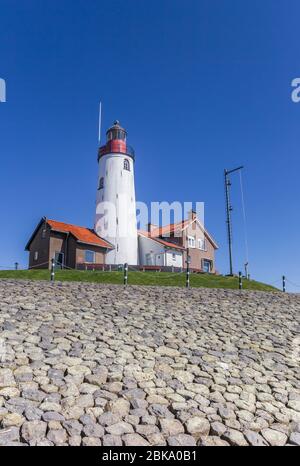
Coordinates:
<point>116,209</point>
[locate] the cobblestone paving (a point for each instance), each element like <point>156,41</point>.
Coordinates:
<point>90,364</point>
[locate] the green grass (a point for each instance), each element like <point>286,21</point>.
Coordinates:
<point>138,278</point>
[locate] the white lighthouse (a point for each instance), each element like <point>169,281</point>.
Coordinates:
<point>115,202</point>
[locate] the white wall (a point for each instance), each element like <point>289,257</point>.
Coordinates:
<point>158,253</point>
<point>148,246</point>
<point>177,261</point>
<point>115,209</point>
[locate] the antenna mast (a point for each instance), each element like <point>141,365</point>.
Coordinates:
<point>228,213</point>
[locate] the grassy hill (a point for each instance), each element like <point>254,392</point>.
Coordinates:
<point>138,278</point>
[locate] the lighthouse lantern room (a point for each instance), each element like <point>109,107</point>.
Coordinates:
<point>115,201</point>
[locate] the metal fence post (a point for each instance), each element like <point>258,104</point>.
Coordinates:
<point>240,281</point>
<point>187,283</point>
<point>125,274</point>
<point>52,270</point>
<point>283,283</point>
<point>188,260</point>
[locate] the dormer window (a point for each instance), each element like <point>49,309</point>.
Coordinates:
<point>101,183</point>
<point>126,165</point>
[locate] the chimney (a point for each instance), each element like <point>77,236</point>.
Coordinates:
<point>192,215</point>
<point>151,227</point>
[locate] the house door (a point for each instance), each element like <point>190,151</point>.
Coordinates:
<point>149,259</point>
<point>206,265</point>
<point>159,259</point>
<point>59,260</point>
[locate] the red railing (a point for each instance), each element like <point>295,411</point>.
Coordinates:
<point>112,147</point>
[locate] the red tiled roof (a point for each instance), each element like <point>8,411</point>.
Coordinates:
<point>159,240</point>
<point>82,234</point>
<point>168,229</point>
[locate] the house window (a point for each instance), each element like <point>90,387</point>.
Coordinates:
<point>191,242</point>
<point>173,256</point>
<point>101,183</point>
<point>90,256</point>
<point>126,165</point>
<point>202,244</point>
<point>44,233</point>
<point>36,256</point>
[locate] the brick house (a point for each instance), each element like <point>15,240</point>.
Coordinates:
<point>188,237</point>
<point>70,245</point>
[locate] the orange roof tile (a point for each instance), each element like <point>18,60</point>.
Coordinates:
<point>168,229</point>
<point>82,234</point>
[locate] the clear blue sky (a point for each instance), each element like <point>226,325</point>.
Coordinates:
<point>200,85</point>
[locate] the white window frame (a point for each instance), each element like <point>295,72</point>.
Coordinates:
<point>202,244</point>
<point>94,256</point>
<point>191,241</point>
<point>36,255</point>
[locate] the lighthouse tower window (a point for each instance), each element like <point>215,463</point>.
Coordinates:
<point>126,165</point>
<point>101,183</point>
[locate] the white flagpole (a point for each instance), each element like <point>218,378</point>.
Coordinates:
<point>99,127</point>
